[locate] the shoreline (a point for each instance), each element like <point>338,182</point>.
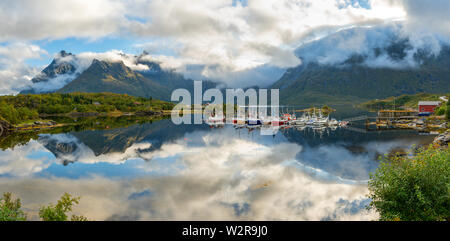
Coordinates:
<point>40,124</point>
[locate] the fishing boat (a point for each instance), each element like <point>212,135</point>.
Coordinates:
<point>333,122</point>
<point>343,123</point>
<point>253,119</point>
<point>321,120</point>
<point>303,120</point>
<point>278,121</point>
<point>239,121</point>
<point>254,122</point>
<point>287,117</point>
<point>217,119</point>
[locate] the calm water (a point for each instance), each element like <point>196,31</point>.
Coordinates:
<point>160,171</point>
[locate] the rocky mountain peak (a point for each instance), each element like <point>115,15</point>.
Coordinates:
<point>63,54</point>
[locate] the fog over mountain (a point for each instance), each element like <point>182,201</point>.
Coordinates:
<point>375,44</point>
<point>358,64</point>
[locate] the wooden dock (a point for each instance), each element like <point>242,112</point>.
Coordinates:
<point>395,119</point>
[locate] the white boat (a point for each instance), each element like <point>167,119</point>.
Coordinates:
<point>254,121</point>
<point>302,120</point>
<point>213,120</point>
<point>321,120</point>
<point>333,122</point>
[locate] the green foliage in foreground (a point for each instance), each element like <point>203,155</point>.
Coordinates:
<point>10,209</point>
<point>59,211</point>
<point>21,108</point>
<point>413,189</point>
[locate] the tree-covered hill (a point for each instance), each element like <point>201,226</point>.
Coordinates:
<point>20,108</point>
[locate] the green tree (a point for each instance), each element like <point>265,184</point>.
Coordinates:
<point>10,210</point>
<point>413,188</point>
<point>27,114</point>
<point>9,113</point>
<point>59,211</point>
<point>441,110</point>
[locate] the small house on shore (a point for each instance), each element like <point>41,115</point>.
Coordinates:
<point>427,107</point>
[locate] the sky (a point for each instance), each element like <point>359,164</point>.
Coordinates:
<point>236,42</point>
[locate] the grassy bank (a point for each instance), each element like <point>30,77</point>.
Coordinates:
<point>23,109</point>
<point>403,101</point>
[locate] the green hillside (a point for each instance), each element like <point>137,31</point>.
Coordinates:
<point>352,82</point>
<point>104,76</point>
<point>406,101</point>
<point>22,108</point>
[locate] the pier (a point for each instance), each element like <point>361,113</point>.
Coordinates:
<point>397,119</point>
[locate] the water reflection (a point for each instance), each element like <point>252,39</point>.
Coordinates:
<point>159,171</point>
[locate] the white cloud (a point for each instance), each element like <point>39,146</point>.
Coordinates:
<point>218,36</point>
<point>15,74</point>
<point>222,40</point>
<point>212,34</point>
<point>428,17</point>
<point>14,163</point>
<point>53,19</point>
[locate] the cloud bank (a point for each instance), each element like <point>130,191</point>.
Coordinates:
<point>15,73</point>
<point>379,46</point>
<point>227,41</point>
<point>219,39</point>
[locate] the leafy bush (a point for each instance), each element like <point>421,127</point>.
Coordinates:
<point>413,188</point>
<point>59,211</point>
<point>27,114</point>
<point>10,210</point>
<point>441,110</point>
<point>9,113</point>
<point>447,113</point>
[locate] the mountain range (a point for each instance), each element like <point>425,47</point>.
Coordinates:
<point>110,76</point>
<point>394,69</point>
<point>332,72</point>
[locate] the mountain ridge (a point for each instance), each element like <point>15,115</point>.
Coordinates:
<point>110,76</point>
<point>353,80</point>
<point>114,77</point>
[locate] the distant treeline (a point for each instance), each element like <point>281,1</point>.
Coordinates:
<point>22,108</point>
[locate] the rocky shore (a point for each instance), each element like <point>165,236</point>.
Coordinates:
<point>443,139</point>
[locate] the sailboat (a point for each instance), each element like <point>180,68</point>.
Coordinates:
<point>321,120</point>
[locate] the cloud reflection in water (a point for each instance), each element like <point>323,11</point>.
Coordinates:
<point>214,175</point>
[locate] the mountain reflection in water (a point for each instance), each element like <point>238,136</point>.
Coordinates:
<point>161,171</point>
